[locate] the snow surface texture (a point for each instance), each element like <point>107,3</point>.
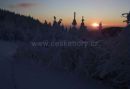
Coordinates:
<point>107,62</point>
<point>19,74</point>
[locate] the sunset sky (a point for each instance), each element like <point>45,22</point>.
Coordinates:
<point>106,11</point>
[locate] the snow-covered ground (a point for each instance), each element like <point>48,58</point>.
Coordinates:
<point>16,74</point>
<point>7,49</point>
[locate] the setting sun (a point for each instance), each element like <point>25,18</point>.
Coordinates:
<point>95,24</point>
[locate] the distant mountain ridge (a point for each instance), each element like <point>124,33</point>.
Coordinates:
<point>112,31</point>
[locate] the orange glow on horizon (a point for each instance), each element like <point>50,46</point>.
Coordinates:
<point>90,23</point>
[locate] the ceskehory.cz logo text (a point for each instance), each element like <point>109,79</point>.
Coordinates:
<point>65,43</point>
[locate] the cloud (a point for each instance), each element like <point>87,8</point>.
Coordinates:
<point>23,5</point>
